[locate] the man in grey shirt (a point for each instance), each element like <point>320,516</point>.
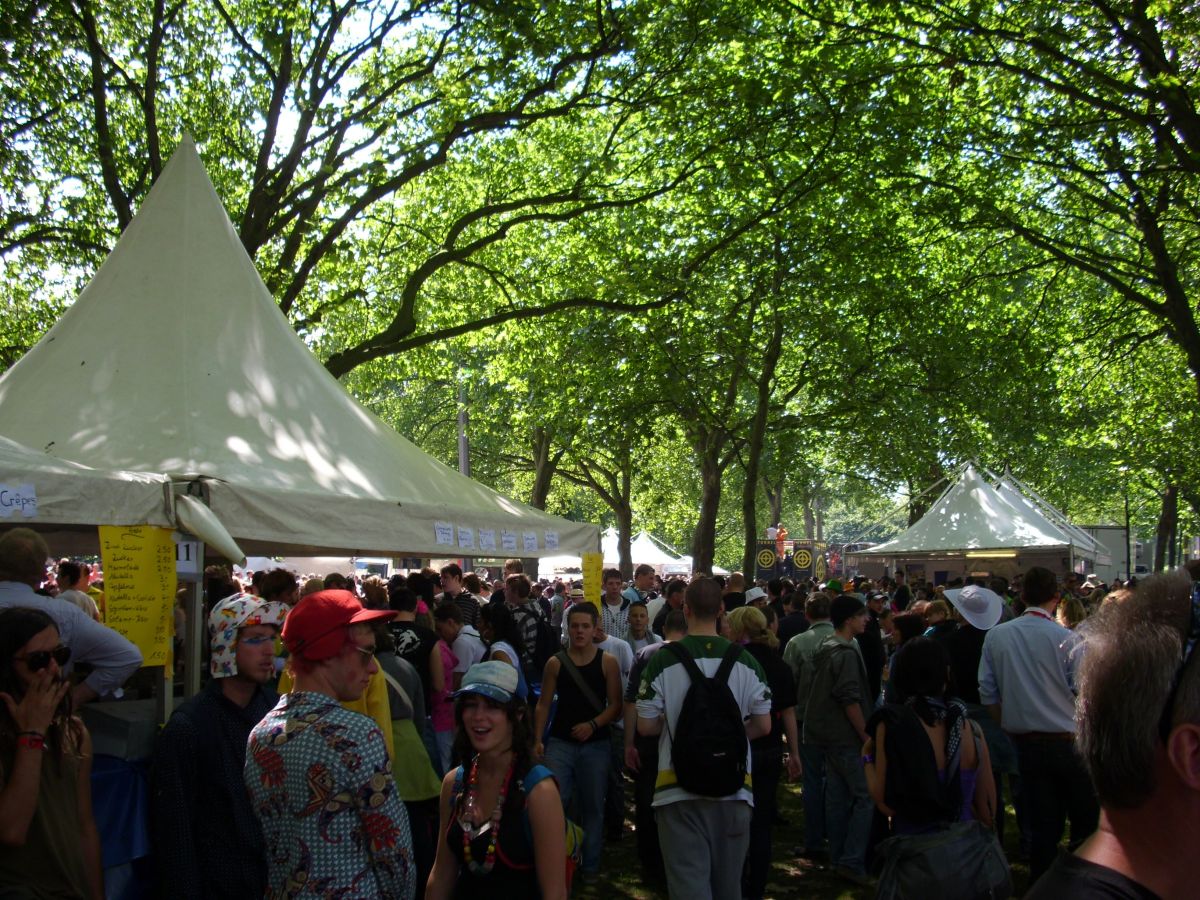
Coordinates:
<point>23,555</point>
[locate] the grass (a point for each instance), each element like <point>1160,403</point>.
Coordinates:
<point>790,877</point>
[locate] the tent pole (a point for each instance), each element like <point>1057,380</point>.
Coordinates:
<point>193,640</point>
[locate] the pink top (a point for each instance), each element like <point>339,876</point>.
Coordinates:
<point>442,712</point>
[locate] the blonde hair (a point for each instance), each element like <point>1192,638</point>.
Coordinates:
<point>1071,612</point>
<point>749,623</point>
<point>938,606</point>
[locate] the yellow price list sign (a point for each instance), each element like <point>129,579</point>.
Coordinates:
<point>593,572</point>
<point>139,587</point>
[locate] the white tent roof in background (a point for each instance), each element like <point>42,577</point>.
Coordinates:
<point>642,549</point>
<point>175,359</point>
<point>303,565</point>
<point>973,515</point>
<point>1008,489</point>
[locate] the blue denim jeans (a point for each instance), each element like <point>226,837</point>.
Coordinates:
<point>813,761</point>
<point>582,773</point>
<point>848,808</point>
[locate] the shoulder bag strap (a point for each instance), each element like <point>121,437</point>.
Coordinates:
<point>571,669</point>
<point>399,689</point>
<point>396,687</point>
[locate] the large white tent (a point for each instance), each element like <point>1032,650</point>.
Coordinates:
<point>973,516</point>
<point>176,360</point>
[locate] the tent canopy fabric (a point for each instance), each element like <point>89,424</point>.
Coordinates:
<point>38,490</point>
<point>175,359</point>
<point>642,549</point>
<point>1008,489</point>
<point>973,515</point>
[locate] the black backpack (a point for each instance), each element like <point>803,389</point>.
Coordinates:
<point>708,747</point>
<point>545,645</point>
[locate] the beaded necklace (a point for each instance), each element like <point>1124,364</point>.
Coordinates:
<point>493,826</point>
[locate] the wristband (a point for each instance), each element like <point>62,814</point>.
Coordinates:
<point>35,733</point>
<point>595,727</point>
<point>868,759</point>
<point>31,739</point>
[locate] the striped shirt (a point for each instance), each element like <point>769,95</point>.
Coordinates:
<point>665,683</point>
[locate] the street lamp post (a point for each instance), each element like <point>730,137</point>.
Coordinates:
<point>464,447</point>
<point>1128,533</point>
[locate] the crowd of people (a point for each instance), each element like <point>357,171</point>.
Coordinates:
<point>427,736</point>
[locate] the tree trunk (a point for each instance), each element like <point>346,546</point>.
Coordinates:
<point>810,522</point>
<point>545,464</point>
<point>704,539</point>
<point>1166,525</point>
<point>624,516</point>
<point>758,435</point>
<point>774,494</point>
<point>919,505</point>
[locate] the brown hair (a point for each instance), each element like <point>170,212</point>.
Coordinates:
<point>587,607</point>
<point>276,582</point>
<point>703,598</point>
<point>23,555</point>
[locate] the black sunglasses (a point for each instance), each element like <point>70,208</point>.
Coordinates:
<point>39,659</point>
<point>1164,723</point>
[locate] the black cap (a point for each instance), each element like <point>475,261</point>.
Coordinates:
<point>844,606</point>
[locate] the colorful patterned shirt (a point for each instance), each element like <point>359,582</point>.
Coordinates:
<point>321,784</point>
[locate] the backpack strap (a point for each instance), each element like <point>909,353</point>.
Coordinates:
<point>566,664</point>
<point>535,775</point>
<point>732,654</point>
<point>689,662</point>
<point>456,791</point>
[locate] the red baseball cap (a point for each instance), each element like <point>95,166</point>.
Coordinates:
<point>314,627</point>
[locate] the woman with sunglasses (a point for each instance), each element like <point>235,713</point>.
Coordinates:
<point>502,831</point>
<point>49,845</point>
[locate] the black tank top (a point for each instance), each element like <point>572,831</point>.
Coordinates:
<point>573,706</point>
<point>514,876</point>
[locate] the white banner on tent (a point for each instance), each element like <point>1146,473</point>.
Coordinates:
<point>530,541</point>
<point>444,533</point>
<point>20,498</point>
<point>487,539</point>
<point>466,538</point>
<point>551,540</point>
<point>508,541</point>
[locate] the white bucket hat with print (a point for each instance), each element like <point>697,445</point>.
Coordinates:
<point>234,612</point>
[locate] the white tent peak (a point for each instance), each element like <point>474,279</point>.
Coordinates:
<point>643,548</point>
<point>973,515</point>
<point>176,359</point>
